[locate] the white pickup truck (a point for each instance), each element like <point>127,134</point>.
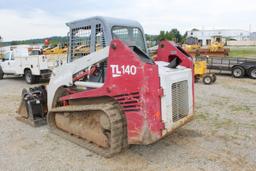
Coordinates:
<point>32,66</point>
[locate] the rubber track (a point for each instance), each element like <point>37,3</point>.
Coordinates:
<point>118,140</point>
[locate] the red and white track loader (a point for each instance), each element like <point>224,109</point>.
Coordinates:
<point>111,94</point>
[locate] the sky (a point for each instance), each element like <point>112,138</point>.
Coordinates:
<point>27,19</point>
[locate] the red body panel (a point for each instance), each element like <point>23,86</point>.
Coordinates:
<point>135,85</point>
<point>167,51</point>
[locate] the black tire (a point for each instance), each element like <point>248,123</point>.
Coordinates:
<point>29,78</point>
<point>238,72</point>
<point>207,79</point>
<point>252,73</point>
<point>196,79</point>
<point>37,79</point>
<point>1,74</point>
<point>214,78</point>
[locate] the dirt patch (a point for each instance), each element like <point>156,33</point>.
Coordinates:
<point>221,137</point>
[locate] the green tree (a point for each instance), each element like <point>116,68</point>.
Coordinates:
<point>176,35</point>
<point>14,42</point>
<point>151,37</point>
<point>184,37</point>
<point>173,35</point>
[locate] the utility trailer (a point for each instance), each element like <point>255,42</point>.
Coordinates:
<point>238,67</point>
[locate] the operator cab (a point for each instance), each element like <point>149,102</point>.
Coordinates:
<point>95,33</point>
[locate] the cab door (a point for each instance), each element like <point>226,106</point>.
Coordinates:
<point>10,64</point>
<point>6,62</point>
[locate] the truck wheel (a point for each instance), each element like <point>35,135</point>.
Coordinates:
<point>1,74</point>
<point>207,79</point>
<point>238,72</point>
<point>252,73</point>
<point>30,79</point>
<point>196,78</point>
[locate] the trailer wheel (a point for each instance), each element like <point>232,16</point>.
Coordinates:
<point>252,73</point>
<point>30,79</point>
<point>238,72</point>
<point>207,79</point>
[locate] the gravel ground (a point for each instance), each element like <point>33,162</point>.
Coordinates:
<point>221,137</point>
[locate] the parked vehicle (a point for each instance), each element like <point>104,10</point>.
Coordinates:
<point>32,66</point>
<point>200,72</point>
<point>238,67</point>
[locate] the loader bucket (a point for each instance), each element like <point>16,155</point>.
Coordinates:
<point>33,108</point>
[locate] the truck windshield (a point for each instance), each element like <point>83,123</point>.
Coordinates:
<point>130,35</point>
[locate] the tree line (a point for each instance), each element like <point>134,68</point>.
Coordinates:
<point>53,40</point>
<point>172,35</point>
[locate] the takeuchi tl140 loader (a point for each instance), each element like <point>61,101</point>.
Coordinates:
<point>111,94</point>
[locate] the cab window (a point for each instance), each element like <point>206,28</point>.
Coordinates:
<point>80,42</point>
<point>132,36</point>
<point>7,55</point>
<point>99,38</point>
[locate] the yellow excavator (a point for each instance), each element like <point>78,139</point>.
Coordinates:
<point>59,49</point>
<point>215,48</point>
<point>192,47</point>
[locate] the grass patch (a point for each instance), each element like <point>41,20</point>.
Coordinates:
<point>223,123</point>
<point>201,116</point>
<point>247,51</point>
<point>218,103</point>
<point>240,108</point>
<point>247,90</point>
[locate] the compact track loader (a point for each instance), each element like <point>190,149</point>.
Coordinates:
<point>113,94</point>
